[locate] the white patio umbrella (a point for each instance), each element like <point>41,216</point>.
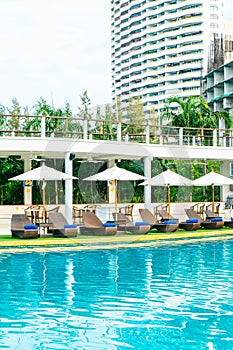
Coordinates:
<point>213,179</point>
<point>115,174</point>
<point>43,173</point>
<point>168,178</point>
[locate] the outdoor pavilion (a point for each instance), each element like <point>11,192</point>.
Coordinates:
<point>69,150</point>
<point>110,151</point>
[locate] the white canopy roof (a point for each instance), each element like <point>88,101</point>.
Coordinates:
<point>115,173</point>
<point>43,173</point>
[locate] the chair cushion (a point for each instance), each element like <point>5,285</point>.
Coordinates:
<point>30,227</point>
<point>216,219</point>
<point>191,221</point>
<point>141,223</point>
<point>166,222</point>
<point>70,226</point>
<point>109,224</point>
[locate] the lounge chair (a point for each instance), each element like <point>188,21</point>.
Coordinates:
<point>166,226</point>
<point>228,223</point>
<point>165,215</point>
<point>190,225</point>
<point>213,223</point>
<point>127,211</point>
<point>61,228</point>
<point>125,224</point>
<point>51,210</point>
<point>22,227</point>
<point>93,226</point>
<point>210,214</point>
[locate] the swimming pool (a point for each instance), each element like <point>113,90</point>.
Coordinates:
<point>176,298</point>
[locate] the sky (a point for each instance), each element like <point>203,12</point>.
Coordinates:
<point>56,49</point>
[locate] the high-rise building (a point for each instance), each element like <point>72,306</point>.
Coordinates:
<point>162,48</point>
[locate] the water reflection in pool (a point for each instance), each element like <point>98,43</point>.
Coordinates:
<point>178,297</point>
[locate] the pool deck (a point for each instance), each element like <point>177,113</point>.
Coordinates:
<point>15,245</point>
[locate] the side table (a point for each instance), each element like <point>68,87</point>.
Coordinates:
<point>44,227</point>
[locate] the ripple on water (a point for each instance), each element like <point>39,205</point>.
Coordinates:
<point>178,297</point>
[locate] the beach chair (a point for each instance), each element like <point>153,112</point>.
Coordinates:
<point>191,224</point>
<point>127,211</point>
<point>93,226</point>
<point>215,206</point>
<point>213,223</point>
<point>165,226</point>
<point>61,228</point>
<point>22,227</point>
<point>165,215</point>
<point>51,210</point>
<point>125,224</point>
<point>210,214</point>
<point>199,208</point>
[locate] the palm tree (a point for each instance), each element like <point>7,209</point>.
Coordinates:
<point>193,112</point>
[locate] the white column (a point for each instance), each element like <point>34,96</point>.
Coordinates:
<point>68,189</point>
<point>226,189</point>
<point>27,189</point>
<point>181,136</point>
<point>85,129</point>
<point>111,186</point>
<point>118,131</point>
<point>147,133</point>
<point>43,127</point>
<point>147,188</point>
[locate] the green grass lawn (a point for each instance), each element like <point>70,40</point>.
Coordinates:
<point>153,235</point>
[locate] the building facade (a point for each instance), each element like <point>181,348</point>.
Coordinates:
<point>217,88</point>
<point>162,48</point>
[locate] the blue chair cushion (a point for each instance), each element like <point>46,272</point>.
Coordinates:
<point>231,219</point>
<point>166,222</point>
<point>70,226</point>
<point>109,224</point>
<point>216,219</point>
<point>30,227</point>
<point>141,223</point>
<point>191,221</point>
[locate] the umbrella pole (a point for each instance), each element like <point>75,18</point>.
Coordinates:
<point>115,183</point>
<point>168,200</point>
<point>43,196</point>
<point>212,198</point>
<point>43,192</point>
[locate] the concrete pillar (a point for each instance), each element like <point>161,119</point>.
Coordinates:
<point>85,129</point>
<point>27,189</point>
<point>68,189</point>
<point>214,138</point>
<point>147,133</point>
<point>43,127</point>
<point>225,170</point>
<point>118,131</point>
<point>181,135</point>
<point>147,188</point>
<point>112,186</point>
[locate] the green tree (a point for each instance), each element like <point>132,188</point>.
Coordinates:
<point>2,117</point>
<point>192,112</point>
<point>42,108</point>
<point>15,111</point>
<point>135,117</point>
<point>11,191</point>
<point>84,111</point>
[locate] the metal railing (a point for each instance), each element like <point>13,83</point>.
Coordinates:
<point>98,129</point>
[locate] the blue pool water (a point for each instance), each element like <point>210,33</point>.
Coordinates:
<point>175,298</point>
